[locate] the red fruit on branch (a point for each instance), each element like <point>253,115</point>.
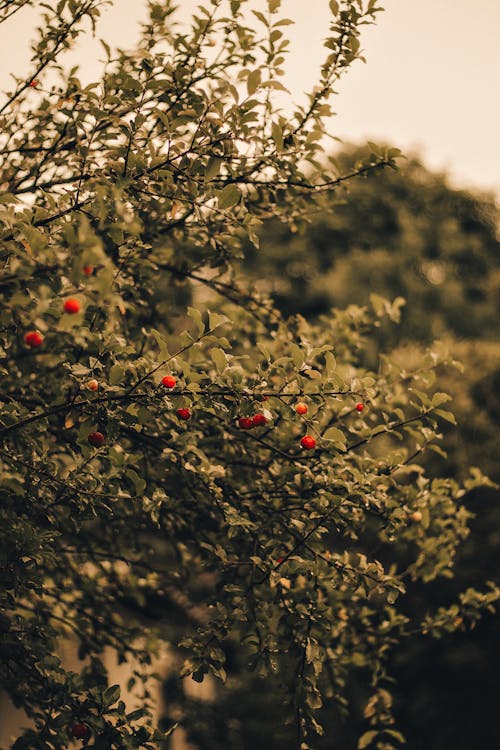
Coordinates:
<point>88,270</point>
<point>184,413</point>
<point>245,423</point>
<point>80,731</point>
<point>33,339</point>
<point>34,83</point>
<point>96,439</point>
<point>360,407</point>
<point>93,385</point>
<point>72,306</point>
<point>301,408</point>
<point>169,381</point>
<point>259,420</point>
<point>308,442</point>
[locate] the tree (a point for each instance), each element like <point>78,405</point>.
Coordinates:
<point>134,486</point>
<point>404,232</point>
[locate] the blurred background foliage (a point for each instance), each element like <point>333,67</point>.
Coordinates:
<point>396,233</point>
<point>410,234</point>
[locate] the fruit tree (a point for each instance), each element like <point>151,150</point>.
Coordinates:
<point>151,443</point>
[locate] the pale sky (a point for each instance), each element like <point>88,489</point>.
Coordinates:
<point>431,80</point>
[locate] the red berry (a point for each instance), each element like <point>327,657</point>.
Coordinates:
<point>72,306</point>
<point>245,423</point>
<point>308,442</point>
<point>80,731</point>
<point>184,413</point>
<point>360,407</point>
<point>279,560</point>
<point>169,381</point>
<point>33,339</point>
<point>301,408</point>
<point>34,83</point>
<point>88,270</point>
<point>96,439</point>
<point>93,385</point>
<point>259,420</point>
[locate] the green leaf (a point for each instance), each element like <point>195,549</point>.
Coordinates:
<point>367,738</point>
<point>297,355</point>
<point>331,363</point>
<point>110,695</point>
<point>138,482</point>
<point>116,374</point>
<point>277,134</point>
<point>395,735</point>
<point>160,736</point>
<point>336,436</point>
<point>162,344</point>
<point>219,358</point>
<point>216,319</point>
<point>139,713</point>
<point>260,16</point>
<point>8,198</point>
<point>253,81</point>
<point>213,167</point>
<point>447,415</point>
<point>228,196</point>
<point>195,315</point>
<point>440,398</point>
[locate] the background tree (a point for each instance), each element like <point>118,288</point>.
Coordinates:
<point>401,232</point>
<point>152,454</point>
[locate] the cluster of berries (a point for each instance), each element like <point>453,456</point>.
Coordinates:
<point>248,423</point>
<point>72,306</point>
<point>169,382</point>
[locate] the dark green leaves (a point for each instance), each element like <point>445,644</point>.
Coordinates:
<point>198,520</point>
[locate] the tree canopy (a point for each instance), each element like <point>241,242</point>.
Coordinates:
<point>158,481</point>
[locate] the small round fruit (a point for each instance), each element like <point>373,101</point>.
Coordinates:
<point>80,731</point>
<point>301,408</point>
<point>72,306</point>
<point>88,270</point>
<point>184,413</point>
<point>96,439</point>
<point>360,407</point>
<point>259,420</point>
<point>34,83</point>
<point>33,339</point>
<point>92,385</point>
<point>416,516</point>
<point>245,423</point>
<point>169,381</point>
<point>279,560</point>
<point>308,442</point>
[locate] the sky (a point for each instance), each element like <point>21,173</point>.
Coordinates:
<point>431,80</point>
